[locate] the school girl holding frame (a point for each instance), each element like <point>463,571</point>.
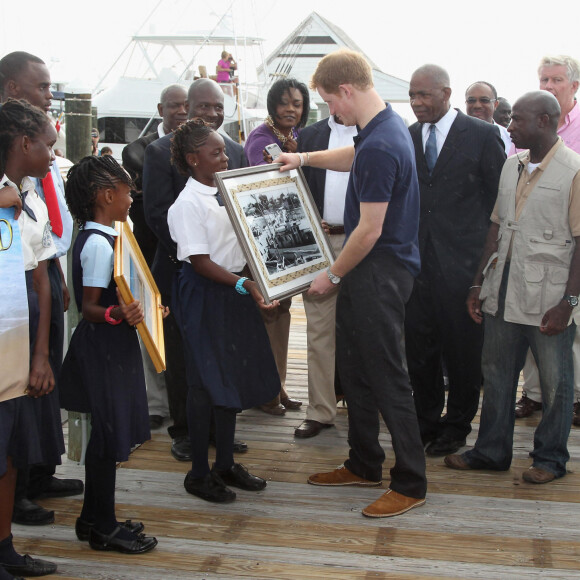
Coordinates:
<point>229,361</point>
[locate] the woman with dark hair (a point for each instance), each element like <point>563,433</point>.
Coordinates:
<point>288,105</point>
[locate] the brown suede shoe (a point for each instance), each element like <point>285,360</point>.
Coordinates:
<point>538,475</point>
<point>341,476</point>
<point>391,504</point>
<point>526,407</point>
<point>455,461</point>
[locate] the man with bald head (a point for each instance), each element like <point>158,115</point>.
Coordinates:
<point>459,160</point>
<point>162,183</point>
<point>525,288</point>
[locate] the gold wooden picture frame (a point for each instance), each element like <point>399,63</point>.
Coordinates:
<point>135,282</point>
<point>278,226</point>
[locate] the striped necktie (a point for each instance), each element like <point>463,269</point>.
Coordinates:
<point>431,149</point>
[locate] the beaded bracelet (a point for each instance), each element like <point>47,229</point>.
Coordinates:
<point>301,159</point>
<point>240,286</point>
<point>109,318</point>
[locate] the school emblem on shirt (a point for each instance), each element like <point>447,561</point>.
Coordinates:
<point>47,236</point>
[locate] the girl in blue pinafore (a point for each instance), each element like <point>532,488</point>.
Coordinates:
<point>229,361</point>
<point>102,373</point>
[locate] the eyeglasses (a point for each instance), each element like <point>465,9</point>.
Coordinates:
<point>482,100</point>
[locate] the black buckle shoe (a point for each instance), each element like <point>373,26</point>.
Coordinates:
<point>83,528</point>
<point>238,476</point>
<point>210,488</point>
<point>138,544</point>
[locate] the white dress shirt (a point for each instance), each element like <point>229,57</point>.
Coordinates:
<point>199,225</point>
<point>442,128</point>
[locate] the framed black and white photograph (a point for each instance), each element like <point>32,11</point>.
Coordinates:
<point>278,227</point>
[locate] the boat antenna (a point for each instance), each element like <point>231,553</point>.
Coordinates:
<point>126,47</point>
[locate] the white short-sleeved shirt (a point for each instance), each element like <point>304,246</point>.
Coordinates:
<point>36,236</point>
<point>97,257</point>
<point>199,225</point>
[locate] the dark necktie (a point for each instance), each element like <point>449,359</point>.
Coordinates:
<point>26,207</point>
<point>219,199</point>
<point>431,149</point>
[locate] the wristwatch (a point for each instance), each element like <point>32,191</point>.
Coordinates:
<point>333,277</point>
<point>572,300</point>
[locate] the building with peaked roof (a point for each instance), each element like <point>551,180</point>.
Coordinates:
<point>299,53</point>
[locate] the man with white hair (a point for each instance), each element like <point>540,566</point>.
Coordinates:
<point>559,75</point>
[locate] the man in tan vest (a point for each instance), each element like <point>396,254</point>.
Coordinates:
<point>526,287</point>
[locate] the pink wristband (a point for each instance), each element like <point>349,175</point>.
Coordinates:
<point>109,318</point>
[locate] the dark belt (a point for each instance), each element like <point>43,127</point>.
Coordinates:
<point>336,230</point>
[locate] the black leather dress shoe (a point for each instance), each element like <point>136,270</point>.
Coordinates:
<point>55,487</point>
<point>238,476</point>
<point>444,445</point>
<point>83,528</point>
<point>28,513</point>
<point>155,421</point>
<point>310,428</point>
<point>181,448</point>
<point>138,544</point>
<point>31,567</point>
<point>239,446</point>
<point>210,488</point>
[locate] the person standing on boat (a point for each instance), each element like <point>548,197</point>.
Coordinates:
<point>162,184</point>
<point>226,67</point>
<point>374,274</point>
<point>288,105</point>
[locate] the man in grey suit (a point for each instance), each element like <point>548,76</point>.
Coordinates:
<point>459,161</point>
<point>162,183</point>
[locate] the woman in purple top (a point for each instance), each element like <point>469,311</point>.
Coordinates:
<point>288,105</point>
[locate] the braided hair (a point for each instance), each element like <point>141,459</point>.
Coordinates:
<point>86,178</point>
<point>18,118</point>
<point>188,138</point>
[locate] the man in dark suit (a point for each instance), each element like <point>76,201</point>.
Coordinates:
<point>329,191</point>
<point>172,108</point>
<point>459,161</point>
<point>162,183</point>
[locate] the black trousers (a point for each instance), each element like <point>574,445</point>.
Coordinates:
<point>439,331</point>
<point>370,313</point>
<point>175,378</point>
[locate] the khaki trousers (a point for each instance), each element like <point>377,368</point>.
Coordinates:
<point>321,339</point>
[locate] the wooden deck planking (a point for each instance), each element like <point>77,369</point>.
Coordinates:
<point>474,524</point>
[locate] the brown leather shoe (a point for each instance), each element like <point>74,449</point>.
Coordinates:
<point>341,476</point>
<point>456,462</point>
<point>526,407</point>
<point>273,409</point>
<point>538,475</point>
<point>576,415</point>
<point>391,504</point>
<point>291,404</point>
<point>310,428</point>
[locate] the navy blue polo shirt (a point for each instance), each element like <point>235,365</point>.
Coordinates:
<point>384,171</point>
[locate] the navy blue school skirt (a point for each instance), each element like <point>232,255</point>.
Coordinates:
<point>102,374</point>
<point>30,429</point>
<point>227,350</point>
